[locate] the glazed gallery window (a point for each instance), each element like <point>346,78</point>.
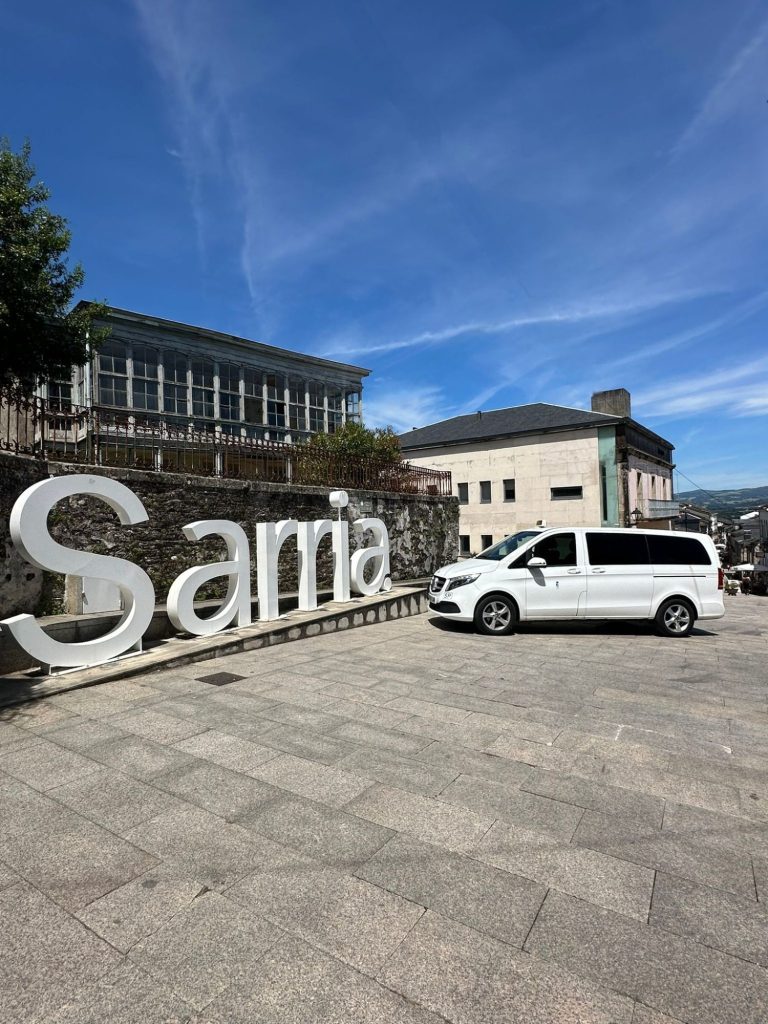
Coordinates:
<point>254,396</point>
<point>175,399</point>
<point>229,391</point>
<point>316,406</point>
<point>335,414</point>
<point>352,399</point>
<point>297,408</point>
<point>113,374</point>
<point>145,386</point>
<point>275,400</point>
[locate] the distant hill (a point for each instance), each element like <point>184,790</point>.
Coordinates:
<point>734,503</point>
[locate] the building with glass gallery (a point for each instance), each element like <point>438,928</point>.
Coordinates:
<point>191,378</point>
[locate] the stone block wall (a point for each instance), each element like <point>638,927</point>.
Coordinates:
<point>423,530</point>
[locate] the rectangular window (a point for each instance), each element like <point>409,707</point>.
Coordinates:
<point>666,550</point>
<point>275,401</point>
<point>113,374</point>
<point>229,392</point>
<point>463,543</point>
<point>145,387</point>
<point>254,396</point>
<point>202,373</point>
<point>628,548</point>
<point>485,491</point>
<point>144,362</point>
<point>145,394</point>
<point>229,406</point>
<point>175,399</point>
<point>463,493</point>
<point>113,390</point>
<point>566,493</point>
<point>174,368</point>
<point>316,407</point>
<point>202,402</point>
<point>352,399</point>
<point>297,411</point>
<point>509,490</point>
<point>60,394</point>
<point>112,357</point>
<point>335,417</point>
<point>486,541</point>
<point>202,389</point>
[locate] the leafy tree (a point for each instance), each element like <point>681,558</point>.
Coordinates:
<point>356,441</point>
<point>41,338</point>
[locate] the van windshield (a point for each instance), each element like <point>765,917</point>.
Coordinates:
<point>508,545</point>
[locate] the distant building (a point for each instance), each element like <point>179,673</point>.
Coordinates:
<point>513,468</point>
<point>191,378</point>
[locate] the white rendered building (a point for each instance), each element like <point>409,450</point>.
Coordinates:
<point>547,464</point>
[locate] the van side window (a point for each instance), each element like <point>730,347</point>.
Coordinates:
<point>628,548</point>
<point>558,550</point>
<point>677,551</point>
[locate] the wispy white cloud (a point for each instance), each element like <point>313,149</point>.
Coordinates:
<point>738,314</point>
<point>600,309</point>
<point>723,97</point>
<point>739,390</point>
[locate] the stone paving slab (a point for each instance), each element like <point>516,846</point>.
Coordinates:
<point>408,823</point>
<point>675,975</point>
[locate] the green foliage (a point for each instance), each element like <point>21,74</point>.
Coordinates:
<point>354,441</point>
<point>40,337</point>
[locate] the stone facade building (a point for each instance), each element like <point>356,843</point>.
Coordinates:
<point>546,464</point>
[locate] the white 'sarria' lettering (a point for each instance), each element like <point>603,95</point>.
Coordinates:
<point>29,532</point>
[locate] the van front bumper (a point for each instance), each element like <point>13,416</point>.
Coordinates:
<point>458,604</point>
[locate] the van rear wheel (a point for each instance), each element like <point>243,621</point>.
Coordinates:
<point>495,615</point>
<point>675,618</point>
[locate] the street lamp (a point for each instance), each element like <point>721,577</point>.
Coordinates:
<point>635,515</point>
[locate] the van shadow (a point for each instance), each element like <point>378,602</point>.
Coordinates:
<point>570,628</point>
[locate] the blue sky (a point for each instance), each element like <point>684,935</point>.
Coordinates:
<point>487,204</point>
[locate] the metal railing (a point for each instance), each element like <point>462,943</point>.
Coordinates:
<point>99,436</point>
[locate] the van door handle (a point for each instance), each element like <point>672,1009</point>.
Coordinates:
<point>598,570</point>
<point>574,572</point>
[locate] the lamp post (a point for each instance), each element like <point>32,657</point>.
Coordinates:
<point>635,515</point>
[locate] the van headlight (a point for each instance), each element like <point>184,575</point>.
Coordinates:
<point>462,581</point>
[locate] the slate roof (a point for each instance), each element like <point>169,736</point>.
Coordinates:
<point>520,419</point>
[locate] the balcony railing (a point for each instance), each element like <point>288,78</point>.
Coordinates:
<point>659,508</point>
<point>151,441</point>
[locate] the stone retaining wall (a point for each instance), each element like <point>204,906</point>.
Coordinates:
<point>423,530</point>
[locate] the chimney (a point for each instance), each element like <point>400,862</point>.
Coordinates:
<point>615,403</point>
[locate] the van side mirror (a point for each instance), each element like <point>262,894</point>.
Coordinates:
<point>537,563</point>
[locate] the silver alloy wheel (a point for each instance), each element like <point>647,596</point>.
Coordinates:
<point>677,618</point>
<point>496,616</point>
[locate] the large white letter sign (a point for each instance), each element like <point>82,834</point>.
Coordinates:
<point>29,531</point>
<point>340,541</point>
<point>378,552</point>
<point>308,538</point>
<point>270,537</point>
<point>236,604</point>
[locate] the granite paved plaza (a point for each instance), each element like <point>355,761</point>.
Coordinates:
<point>401,823</point>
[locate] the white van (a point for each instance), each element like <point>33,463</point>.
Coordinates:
<point>584,573</point>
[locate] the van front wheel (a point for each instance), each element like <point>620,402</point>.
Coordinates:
<point>675,618</point>
<point>495,615</point>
